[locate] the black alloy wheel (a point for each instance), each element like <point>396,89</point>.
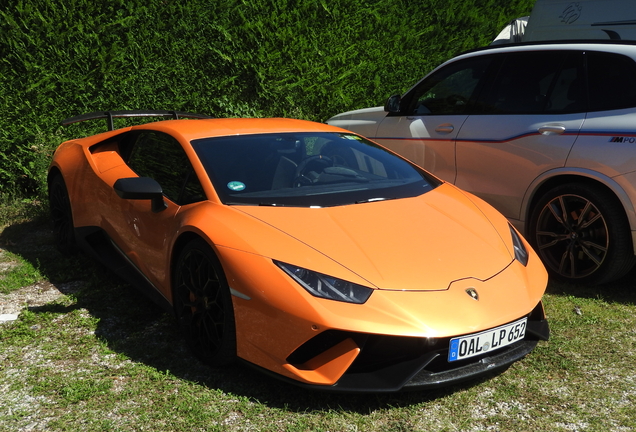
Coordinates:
<point>581,234</point>
<point>203,305</point>
<point>61,216</point>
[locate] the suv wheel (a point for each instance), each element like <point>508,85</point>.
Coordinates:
<point>581,234</point>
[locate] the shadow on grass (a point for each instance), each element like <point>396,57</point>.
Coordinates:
<point>132,325</point>
<point>620,291</point>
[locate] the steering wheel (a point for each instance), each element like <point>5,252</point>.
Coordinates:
<point>309,169</point>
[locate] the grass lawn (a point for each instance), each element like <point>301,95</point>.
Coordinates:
<point>99,356</point>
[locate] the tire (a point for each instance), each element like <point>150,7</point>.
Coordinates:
<point>581,234</point>
<point>203,305</point>
<point>61,216</point>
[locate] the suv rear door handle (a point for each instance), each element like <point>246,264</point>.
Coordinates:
<point>553,129</point>
<point>445,128</point>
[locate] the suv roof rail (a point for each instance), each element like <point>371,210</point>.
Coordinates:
<point>110,115</point>
<point>550,42</point>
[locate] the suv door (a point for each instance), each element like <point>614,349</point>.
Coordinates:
<point>432,113</point>
<point>527,117</point>
<point>581,229</point>
<point>607,135</point>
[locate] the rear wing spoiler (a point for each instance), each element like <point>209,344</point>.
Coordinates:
<point>110,115</point>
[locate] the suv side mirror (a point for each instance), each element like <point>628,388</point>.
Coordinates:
<point>141,188</point>
<point>392,104</point>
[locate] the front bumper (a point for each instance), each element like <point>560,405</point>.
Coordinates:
<point>396,363</point>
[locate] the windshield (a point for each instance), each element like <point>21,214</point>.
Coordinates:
<point>320,169</point>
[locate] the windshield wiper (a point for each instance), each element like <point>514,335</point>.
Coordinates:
<point>372,200</point>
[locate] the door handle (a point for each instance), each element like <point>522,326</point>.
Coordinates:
<point>445,128</point>
<point>554,129</point>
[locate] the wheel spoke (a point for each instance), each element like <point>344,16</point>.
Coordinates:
<point>587,224</point>
<point>587,247</point>
<point>557,238</point>
<point>591,256</point>
<point>585,221</point>
<point>556,209</point>
<point>568,256</point>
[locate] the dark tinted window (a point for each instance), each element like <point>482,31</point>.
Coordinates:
<point>533,83</point>
<point>568,93</point>
<point>307,169</point>
<point>161,157</point>
<point>450,89</point>
<point>612,81</point>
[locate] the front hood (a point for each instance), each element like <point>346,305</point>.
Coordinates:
<point>421,243</point>
<point>363,121</point>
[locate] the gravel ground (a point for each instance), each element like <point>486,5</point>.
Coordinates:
<point>34,295</point>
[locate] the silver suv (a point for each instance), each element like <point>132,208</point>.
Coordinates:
<point>545,132</point>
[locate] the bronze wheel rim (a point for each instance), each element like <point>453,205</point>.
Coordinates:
<point>572,237</point>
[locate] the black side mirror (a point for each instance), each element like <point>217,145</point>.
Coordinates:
<point>392,104</point>
<point>141,188</point>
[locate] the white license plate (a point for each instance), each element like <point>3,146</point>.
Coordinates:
<point>480,343</point>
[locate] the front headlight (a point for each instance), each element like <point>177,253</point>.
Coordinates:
<point>521,253</point>
<point>323,286</point>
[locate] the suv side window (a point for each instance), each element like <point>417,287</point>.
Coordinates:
<point>534,82</point>
<point>568,94</point>
<point>612,81</point>
<point>449,90</point>
<point>161,157</point>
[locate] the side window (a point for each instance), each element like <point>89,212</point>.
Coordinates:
<point>450,89</point>
<point>612,81</point>
<point>523,84</point>
<point>161,157</point>
<point>568,94</point>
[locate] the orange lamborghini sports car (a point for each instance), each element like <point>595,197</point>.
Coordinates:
<point>300,248</point>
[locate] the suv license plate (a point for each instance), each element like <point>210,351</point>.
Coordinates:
<point>479,343</point>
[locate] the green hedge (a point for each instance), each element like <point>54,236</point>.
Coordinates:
<point>304,58</point>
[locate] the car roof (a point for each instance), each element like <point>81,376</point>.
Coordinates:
<point>621,47</point>
<point>595,44</point>
<point>207,128</point>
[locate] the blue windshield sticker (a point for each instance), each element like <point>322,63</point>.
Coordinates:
<point>236,186</point>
